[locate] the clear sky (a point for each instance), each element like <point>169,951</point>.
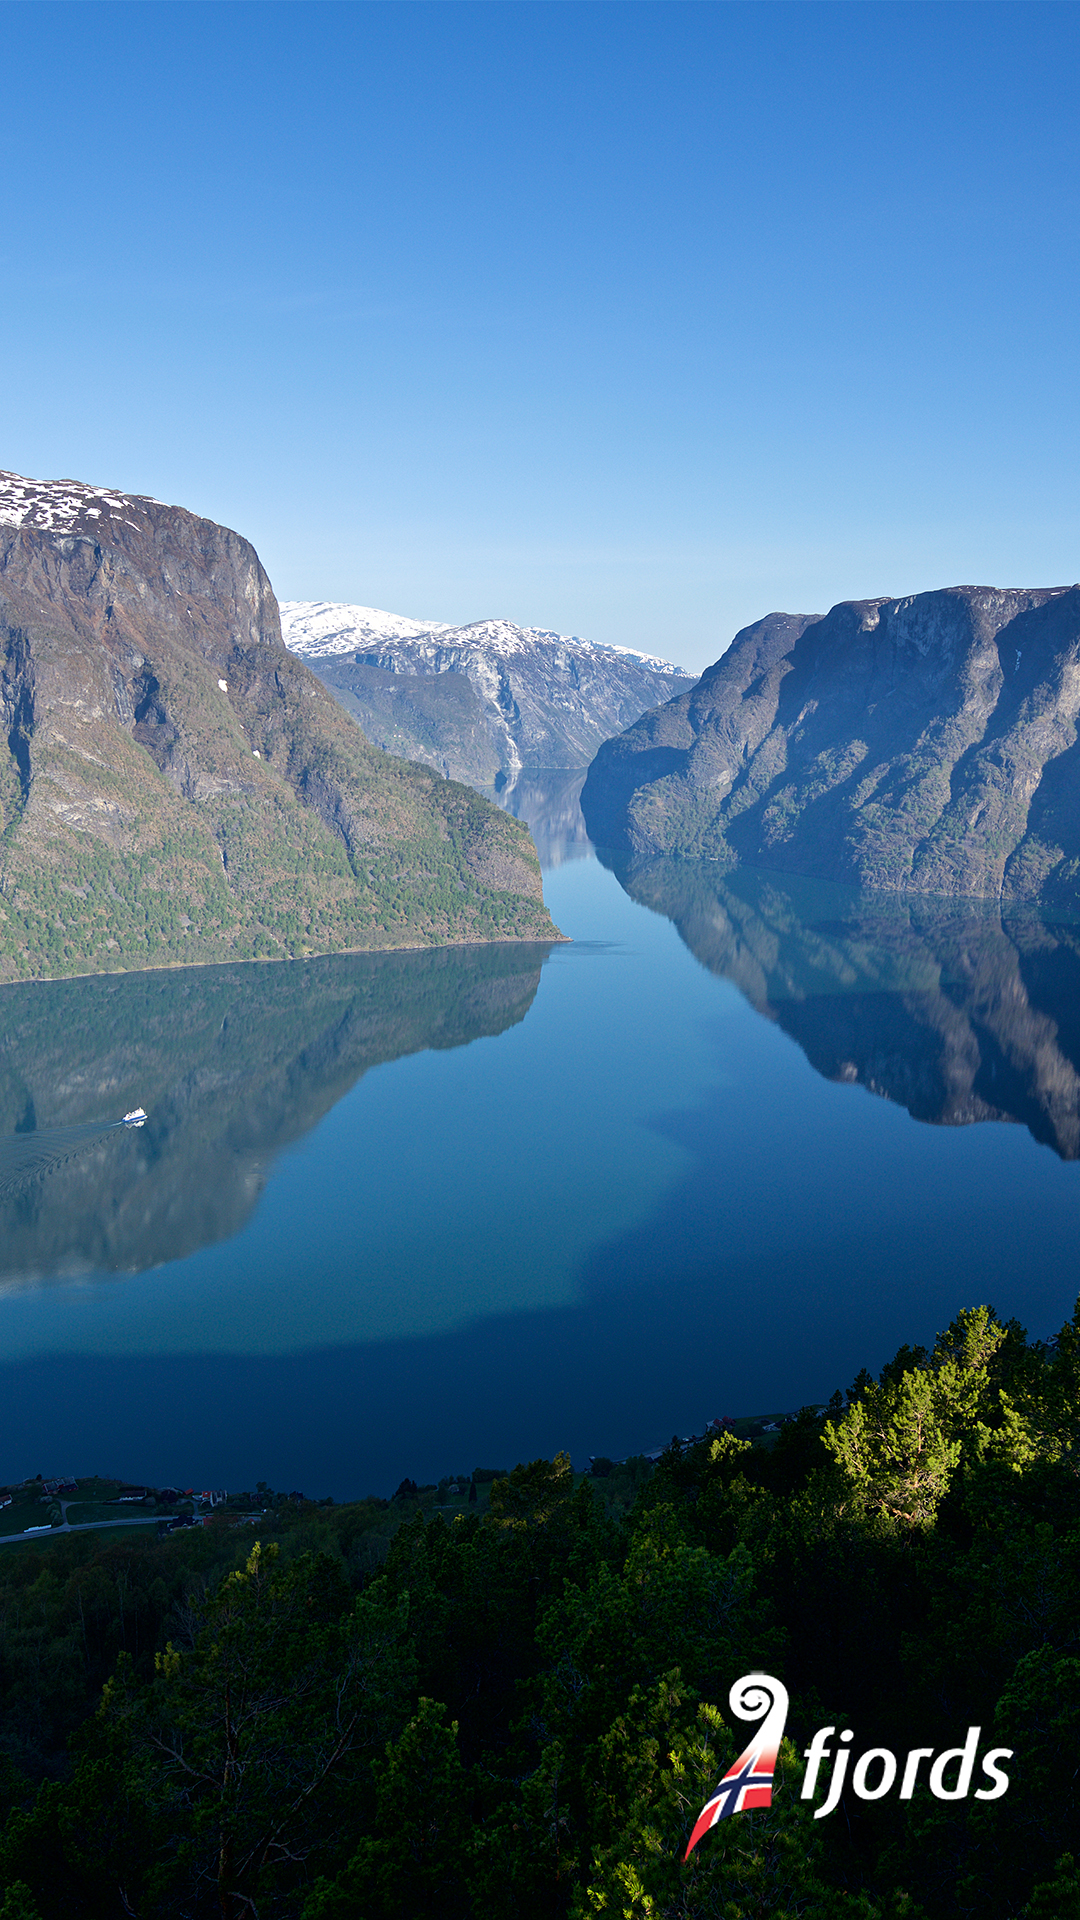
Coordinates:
<point>637,321</point>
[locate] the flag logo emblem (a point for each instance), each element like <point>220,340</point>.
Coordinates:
<point>748,1781</point>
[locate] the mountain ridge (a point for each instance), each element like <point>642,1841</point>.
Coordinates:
<point>317,628</point>
<point>481,701</point>
<point>926,744</point>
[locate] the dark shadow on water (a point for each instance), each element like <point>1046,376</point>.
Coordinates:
<point>676,1329</point>
<point>232,1064</point>
<point>954,1010</point>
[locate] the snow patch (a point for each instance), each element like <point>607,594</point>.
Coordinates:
<point>317,629</point>
<point>57,506</point>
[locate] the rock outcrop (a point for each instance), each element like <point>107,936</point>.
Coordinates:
<point>178,786</point>
<point>479,702</point>
<point>439,719</point>
<point>925,745</point>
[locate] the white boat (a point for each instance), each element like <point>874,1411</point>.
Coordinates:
<point>135,1118</point>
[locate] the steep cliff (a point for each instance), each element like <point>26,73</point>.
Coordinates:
<point>925,745</point>
<point>479,702</point>
<point>177,786</point>
<point>439,719</point>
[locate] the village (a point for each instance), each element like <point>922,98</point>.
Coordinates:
<point>66,1504</point>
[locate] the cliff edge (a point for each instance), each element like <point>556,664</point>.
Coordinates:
<point>177,786</point>
<point>926,745</point>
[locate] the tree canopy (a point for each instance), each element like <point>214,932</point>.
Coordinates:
<point>517,1707</point>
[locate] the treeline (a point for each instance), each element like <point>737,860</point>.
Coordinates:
<point>517,1710</point>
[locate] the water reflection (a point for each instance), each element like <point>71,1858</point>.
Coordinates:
<point>231,1063</point>
<point>948,1007</point>
<point>549,802</point>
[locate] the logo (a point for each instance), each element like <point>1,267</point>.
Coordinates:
<point>748,1782</point>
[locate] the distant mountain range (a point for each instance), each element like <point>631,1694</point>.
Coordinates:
<point>480,702</point>
<point>927,745</point>
<point>177,786</point>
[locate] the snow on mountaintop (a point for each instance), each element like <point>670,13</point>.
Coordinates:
<point>318,628</point>
<point>56,505</point>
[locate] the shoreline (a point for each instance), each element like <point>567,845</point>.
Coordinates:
<point>558,939</point>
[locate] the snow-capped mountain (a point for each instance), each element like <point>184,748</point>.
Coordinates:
<point>317,629</point>
<point>54,506</point>
<point>512,696</point>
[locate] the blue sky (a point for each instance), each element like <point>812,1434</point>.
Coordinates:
<point>635,320</point>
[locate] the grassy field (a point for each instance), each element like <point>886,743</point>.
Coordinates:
<point>26,1510</point>
<point>94,1500</point>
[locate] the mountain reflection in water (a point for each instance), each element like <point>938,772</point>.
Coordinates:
<point>549,801</point>
<point>232,1063</point>
<point>948,1007</point>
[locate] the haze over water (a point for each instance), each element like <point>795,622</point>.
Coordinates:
<point>409,1214</point>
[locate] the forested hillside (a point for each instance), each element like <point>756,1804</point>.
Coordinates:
<point>515,1704</point>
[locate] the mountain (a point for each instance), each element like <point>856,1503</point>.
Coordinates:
<point>926,744</point>
<point>479,702</point>
<point>178,786</point>
<point>232,1064</point>
<point>953,1009</point>
<point>438,719</point>
<point>321,629</point>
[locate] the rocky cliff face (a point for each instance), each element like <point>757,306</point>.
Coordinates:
<point>480,702</point>
<point>178,786</point>
<point>438,719</point>
<point>927,744</point>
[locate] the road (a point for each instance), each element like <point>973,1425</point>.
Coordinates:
<point>85,1526</point>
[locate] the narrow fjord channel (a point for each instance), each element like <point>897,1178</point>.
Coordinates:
<point>408,1214</point>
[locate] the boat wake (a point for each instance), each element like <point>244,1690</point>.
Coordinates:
<point>26,1156</point>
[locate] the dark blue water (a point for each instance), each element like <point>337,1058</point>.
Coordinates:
<point>414,1216</point>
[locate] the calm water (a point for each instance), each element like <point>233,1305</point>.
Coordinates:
<point>412,1214</point>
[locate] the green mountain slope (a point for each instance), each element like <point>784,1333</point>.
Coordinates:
<point>178,787</point>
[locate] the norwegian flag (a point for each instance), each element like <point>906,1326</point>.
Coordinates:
<point>748,1782</point>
